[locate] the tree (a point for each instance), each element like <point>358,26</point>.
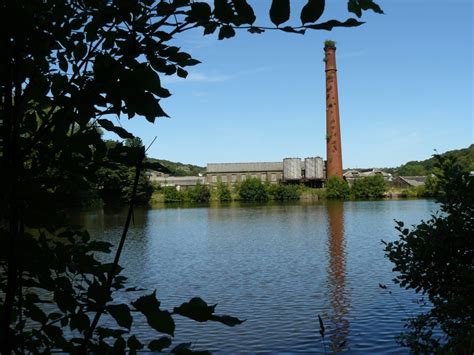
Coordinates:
<point>370,186</point>
<point>252,190</point>
<point>337,188</point>
<point>68,68</point>
<point>199,193</point>
<point>223,192</point>
<point>285,192</point>
<point>435,258</point>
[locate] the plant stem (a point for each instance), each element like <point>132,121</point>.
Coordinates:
<point>111,274</point>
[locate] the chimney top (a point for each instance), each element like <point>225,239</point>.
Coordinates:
<point>329,44</point>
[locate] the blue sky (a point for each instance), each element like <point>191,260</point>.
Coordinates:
<point>405,88</point>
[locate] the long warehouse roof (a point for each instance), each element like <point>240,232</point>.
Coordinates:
<point>243,167</point>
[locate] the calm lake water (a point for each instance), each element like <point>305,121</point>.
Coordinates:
<point>278,267</point>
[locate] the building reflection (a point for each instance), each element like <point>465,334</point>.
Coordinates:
<point>337,276</point>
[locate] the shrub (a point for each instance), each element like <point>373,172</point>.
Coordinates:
<point>199,193</point>
<point>172,195</point>
<point>371,186</point>
<point>337,188</point>
<point>284,192</point>
<point>435,258</point>
<point>252,190</point>
<point>223,192</point>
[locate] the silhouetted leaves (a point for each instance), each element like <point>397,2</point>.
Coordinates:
<point>357,6</point>
<point>74,65</point>
<point>280,11</point>
<point>159,344</point>
<point>227,320</point>
<point>196,309</point>
<point>329,25</point>
<point>121,314</point>
<point>312,11</point>
<point>435,258</point>
<point>226,32</point>
<point>244,11</point>
<point>109,126</point>
<point>223,11</point>
<point>159,320</point>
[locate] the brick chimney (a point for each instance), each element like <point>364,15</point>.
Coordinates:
<point>333,129</point>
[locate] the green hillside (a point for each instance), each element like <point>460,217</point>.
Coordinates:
<point>418,168</point>
<point>180,169</point>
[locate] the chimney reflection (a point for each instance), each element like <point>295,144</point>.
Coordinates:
<point>337,276</point>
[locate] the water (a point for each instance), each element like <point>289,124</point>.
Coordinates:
<point>278,267</point>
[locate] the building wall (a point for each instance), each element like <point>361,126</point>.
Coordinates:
<point>232,178</point>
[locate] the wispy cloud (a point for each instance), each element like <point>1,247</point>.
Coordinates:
<point>198,77</point>
<point>214,77</point>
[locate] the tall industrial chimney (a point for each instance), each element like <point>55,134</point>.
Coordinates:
<point>333,129</point>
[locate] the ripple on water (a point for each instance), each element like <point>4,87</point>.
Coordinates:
<point>278,267</point>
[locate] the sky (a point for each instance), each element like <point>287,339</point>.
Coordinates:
<point>405,89</point>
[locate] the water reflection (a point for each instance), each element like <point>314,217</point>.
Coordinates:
<point>337,276</point>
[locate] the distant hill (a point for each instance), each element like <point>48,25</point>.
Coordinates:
<point>180,169</point>
<point>417,168</point>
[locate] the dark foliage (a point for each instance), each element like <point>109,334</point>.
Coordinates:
<point>284,192</point>
<point>435,258</point>
<point>67,70</point>
<point>252,190</point>
<point>337,188</point>
<point>369,187</point>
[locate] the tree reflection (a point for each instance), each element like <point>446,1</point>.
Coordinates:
<point>337,275</point>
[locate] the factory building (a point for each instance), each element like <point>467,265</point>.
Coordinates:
<point>310,171</point>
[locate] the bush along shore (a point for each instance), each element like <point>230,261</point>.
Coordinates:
<point>253,190</point>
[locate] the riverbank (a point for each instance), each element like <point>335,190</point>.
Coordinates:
<point>306,194</point>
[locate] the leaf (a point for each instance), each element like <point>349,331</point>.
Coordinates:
<point>223,11</point>
<point>256,30</point>
<point>121,314</point>
<point>329,25</point>
<point>63,64</point>
<point>159,344</point>
<point>244,12</point>
<point>280,11</point>
<point>133,343</point>
<point>312,11</point>
<point>181,73</point>
<point>35,313</point>
<point>292,30</point>
<point>226,31</point>
<point>210,28</point>
<point>227,320</point>
<point>200,12</point>
<point>80,322</point>
<point>109,126</point>
<point>80,51</point>
<point>196,309</point>
<point>357,6</point>
<point>354,7</point>
<point>159,320</point>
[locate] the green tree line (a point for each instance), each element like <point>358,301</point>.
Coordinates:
<point>464,157</point>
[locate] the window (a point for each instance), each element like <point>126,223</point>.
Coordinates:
<point>234,178</point>
<point>214,178</point>
<point>224,178</point>
<point>263,177</point>
<point>274,177</point>
<point>254,176</point>
<point>243,177</point>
